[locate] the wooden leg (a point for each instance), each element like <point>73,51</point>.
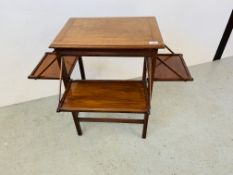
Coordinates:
<point>150,79</point>
<point>144,70</point>
<point>153,72</point>
<point>146,117</point>
<point>64,74</point>
<point>77,123</point>
<point>81,67</point>
<point>66,80</point>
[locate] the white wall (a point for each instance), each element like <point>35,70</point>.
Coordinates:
<point>28,26</point>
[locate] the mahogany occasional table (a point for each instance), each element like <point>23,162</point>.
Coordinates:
<point>115,36</point>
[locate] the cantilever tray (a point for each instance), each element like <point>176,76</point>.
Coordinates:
<point>171,67</point>
<point>48,67</point>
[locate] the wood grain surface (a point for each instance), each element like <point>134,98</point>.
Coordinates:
<point>176,63</point>
<point>105,96</point>
<point>48,67</point>
<point>111,32</point>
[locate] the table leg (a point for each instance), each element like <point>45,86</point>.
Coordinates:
<point>150,78</point>
<point>154,58</point>
<point>66,79</point>
<point>77,123</point>
<point>81,67</point>
<point>64,74</point>
<point>151,70</point>
<point>151,62</point>
<point>144,69</point>
<point>144,131</point>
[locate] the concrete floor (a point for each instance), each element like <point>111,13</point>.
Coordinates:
<point>190,133</point>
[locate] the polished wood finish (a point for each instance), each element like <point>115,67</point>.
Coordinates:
<point>105,96</point>
<point>171,67</point>
<point>108,33</point>
<point>48,67</point>
<point>119,37</point>
<point>131,36</point>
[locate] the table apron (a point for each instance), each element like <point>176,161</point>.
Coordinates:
<point>108,52</point>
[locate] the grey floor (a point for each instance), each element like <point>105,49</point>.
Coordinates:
<point>190,133</point>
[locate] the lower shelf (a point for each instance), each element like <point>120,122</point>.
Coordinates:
<point>105,96</point>
<point>171,67</point>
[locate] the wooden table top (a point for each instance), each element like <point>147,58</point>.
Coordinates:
<point>110,33</point>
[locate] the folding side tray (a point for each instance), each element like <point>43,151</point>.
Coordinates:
<point>171,67</point>
<point>48,67</point>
